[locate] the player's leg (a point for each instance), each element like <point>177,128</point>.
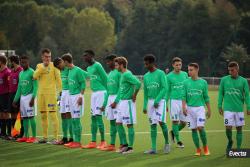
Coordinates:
<point>240,122</point>
<point>51,103</point>
<point>76,121</point>
<point>70,126</point>
<point>153,127</point>
<point>229,123</point>
<point>192,124</point>
<point>110,115</point>
<point>130,120</point>
<point>201,118</point>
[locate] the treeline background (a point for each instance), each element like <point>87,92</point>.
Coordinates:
<point>210,32</point>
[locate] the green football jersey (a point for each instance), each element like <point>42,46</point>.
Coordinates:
<point>98,77</point>
<point>195,92</point>
<point>77,80</point>
<point>155,86</point>
<point>26,84</point>
<point>233,93</point>
<point>175,85</point>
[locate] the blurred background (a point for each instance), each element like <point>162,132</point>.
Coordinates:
<point>210,32</point>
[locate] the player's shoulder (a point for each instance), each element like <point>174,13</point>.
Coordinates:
<point>97,64</point>
<point>170,74</point>
<point>160,71</point>
<point>203,80</point>
<point>184,73</point>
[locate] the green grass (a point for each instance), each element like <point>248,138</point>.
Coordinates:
<point>22,154</point>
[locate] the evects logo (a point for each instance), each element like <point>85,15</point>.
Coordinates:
<point>24,82</point>
<point>111,82</point>
<point>72,82</point>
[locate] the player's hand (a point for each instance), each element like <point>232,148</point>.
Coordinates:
<point>156,105</point>
<point>32,101</point>
<point>145,111</point>
<point>208,114</point>
<point>14,104</point>
<point>221,111</point>
<point>248,112</point>
<point>102,109</point>
<point>79,101</point>
<point>113,105</point>
<point>184,111</point>
<point>134,97</point>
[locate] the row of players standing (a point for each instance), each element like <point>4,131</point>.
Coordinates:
<point>193,91</point>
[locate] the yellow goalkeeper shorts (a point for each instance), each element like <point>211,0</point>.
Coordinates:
<point>46,102</point>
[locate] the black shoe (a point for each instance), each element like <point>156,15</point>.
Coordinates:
<point>171,133</point>
<point>70,140</point>
<point>180,145</point>
<point>63,141</point>
<point>129,150</point>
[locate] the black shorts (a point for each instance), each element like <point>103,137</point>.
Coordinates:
<point>12,109</point>
<point>4,102</point>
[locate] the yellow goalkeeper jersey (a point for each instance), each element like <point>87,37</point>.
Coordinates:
<point>49,79</point>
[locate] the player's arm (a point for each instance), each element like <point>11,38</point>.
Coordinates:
<point>247,97</point>
<point>136,82</point>
<point>184,100</point>
<point>117,99</point>
<point>38,72</point>
<point>168,89</point>
<point>103,75</point>
<point>206,99</point>
<point>220,97</point>
<point>163,91</point>
<point>145,103</point>
<point>58,81</point>
<point>17,95</point>
<point>34,92</point>
<point>81,77</point>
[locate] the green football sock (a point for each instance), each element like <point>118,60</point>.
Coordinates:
<point>122,134</point>
<point>70,127</point>
<point>131,136</point>
<point>64,127</point>
<point>165,132</point>
<point>195,138</point>
<point>93,128</point>
<point>77,129</point>
<point>239,139</point>
<point>113,132</point>
<point>26,127</point>
<point>153,136</point>
<point>203,137</point>
<point>100,126</point>
<point>175,128</point>
<point>229,135</point>
<point>33,126</point>
<point>181,126</point>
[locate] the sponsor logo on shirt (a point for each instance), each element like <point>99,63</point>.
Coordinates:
<point>93,77</point>
<point>178,85</point>
<point>71,82</point>
<point>24,82</point>
<point>233,91</point>
<point>1,81</point>
<point>14,81</point>
<point>111,82</point>
<point>194,92</point>
<point>153,85</point>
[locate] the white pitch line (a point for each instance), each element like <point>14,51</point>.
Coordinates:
<point>184,131</point>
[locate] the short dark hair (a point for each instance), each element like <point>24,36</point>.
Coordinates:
<point>45,50</point>
<point>15,59</point>
<point>111,57</point>
<point>3,59</point>
<point>149,58</point>
<point>89,52</point>
<point>176,59</point>
<point>57,61</point>
<point>233,64</point>
<point>67,57</point>
<point>122,60</point>
<point>24,57</point>
<point>195,65</point>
